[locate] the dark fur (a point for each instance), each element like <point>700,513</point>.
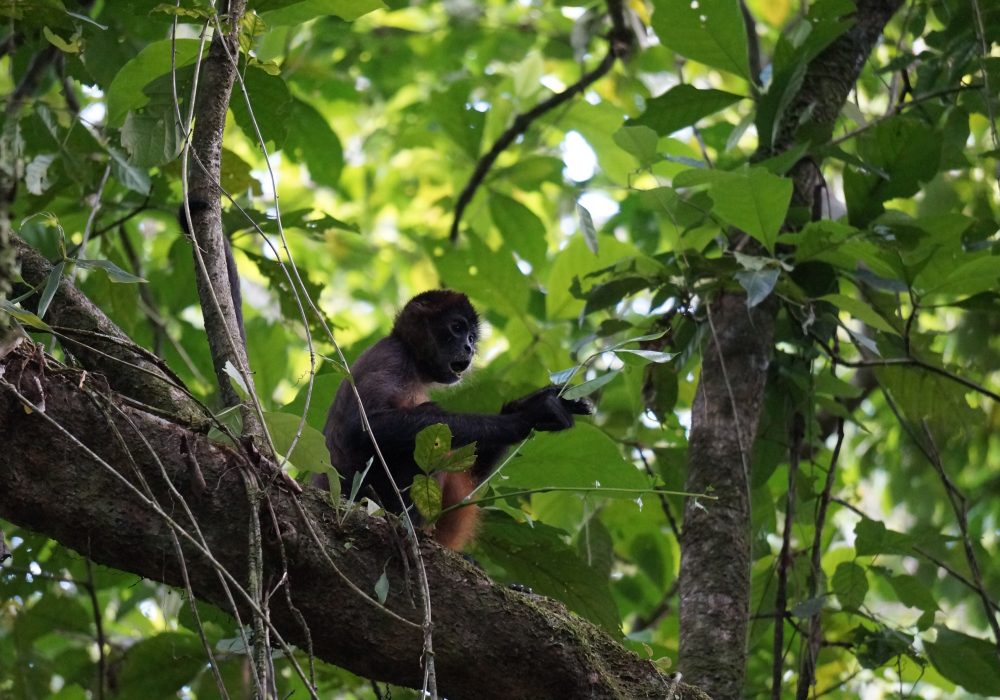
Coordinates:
<point>432,342</point>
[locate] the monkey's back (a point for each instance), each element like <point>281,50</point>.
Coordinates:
<point>386,380</point>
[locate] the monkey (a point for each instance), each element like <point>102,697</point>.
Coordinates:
<point>432,342</point>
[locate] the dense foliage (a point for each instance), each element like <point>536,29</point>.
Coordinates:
<point>591,247</point>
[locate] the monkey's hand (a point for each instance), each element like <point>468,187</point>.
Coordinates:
<point>546,410</point>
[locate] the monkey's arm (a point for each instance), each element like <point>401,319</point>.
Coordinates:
<point>396,429</point>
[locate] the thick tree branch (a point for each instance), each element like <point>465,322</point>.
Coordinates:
<point>100,346</point>
<point>490,641</point>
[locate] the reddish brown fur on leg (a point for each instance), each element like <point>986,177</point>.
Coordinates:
<point>456,528</point>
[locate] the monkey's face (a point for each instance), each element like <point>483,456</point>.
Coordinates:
<point>455,336</point>
<point>439,330</point>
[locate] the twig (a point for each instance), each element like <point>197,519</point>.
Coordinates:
<point>960,506</point>
<point>122,219</point>
<point>89,226</point>
<point>922,552</point>
<point>907,362</point>
<point>98,629</point>
<point>807,674</point>
<point>159,328</point>
<point>668,512</point>
<point>899,108</point>
<point>785,556</point>
<point>29,81</point>
<point>618,44</point>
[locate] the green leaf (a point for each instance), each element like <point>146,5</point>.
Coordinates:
<point>850,585</point>
<point>382,588</point>
<point>751,199</point>
<point>710,31</point>
<point>679,107</point>
<point>272,108</point>
<point>875,648</point>
<point>912,592</point>
<point>145,672</point>
<point>968,661</point>
<point>923,395</point>
<point>520,226</point>
<point>587,227</point>
<point>51,285</point>
<point>459,460</point>
<point>967,275</point>
<point>431,446</point>
<point>115,273</point>
<point>872,537</point>
<point>237,379</point>
<point>589,387</point>
<point>609,293</point>
<point>25,317</point>
<point>132,177</point>
<point>152,137</point>
<point>809,608</point>
<point>125,94</point>
<point>489,276</point>
<point>640,141</point>
<point>289,12</point>
<point>576,260</point>
<point>426,496</point>
<point>906,149</point>
<point>583,457</point>
<point>52,613</point>
<point>310,453</point>
<point>325,386</point>
<point>648,355</point>
<point>758,283</point>
<point>72,46</point>
<point>311,141</point>
<point>861,311</point>
<point>538,557</point>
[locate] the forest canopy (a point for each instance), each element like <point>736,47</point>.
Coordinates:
<point>761,237</point>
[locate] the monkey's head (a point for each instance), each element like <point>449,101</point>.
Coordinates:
<point>440,329</point>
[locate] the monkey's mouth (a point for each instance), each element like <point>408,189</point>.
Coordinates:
<point>459,366</point>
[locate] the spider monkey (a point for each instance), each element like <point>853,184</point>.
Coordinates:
<point>432,342</point>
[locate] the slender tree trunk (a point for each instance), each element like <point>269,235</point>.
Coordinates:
<point>715,554</point>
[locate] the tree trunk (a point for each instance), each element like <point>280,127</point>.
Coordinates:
<point>715,556</point>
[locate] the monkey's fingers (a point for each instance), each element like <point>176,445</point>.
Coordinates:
<point>579,407</point>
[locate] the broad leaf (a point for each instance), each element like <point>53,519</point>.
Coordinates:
<point>681,106</point>
<point>710,31</point>
<point>968,661</point>
<point>850,585</point>
<point>538,557</point>
<point>583,457</point>
<point>426,496</point>
<point>310,453</point>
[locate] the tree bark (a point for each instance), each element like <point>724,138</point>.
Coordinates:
<point>490,642</point>
<point>217,290</point>
<point>99,345</point>
<point>714,580</point>
<point>715,546</point>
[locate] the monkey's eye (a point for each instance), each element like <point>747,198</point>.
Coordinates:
<point>457,327</point>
